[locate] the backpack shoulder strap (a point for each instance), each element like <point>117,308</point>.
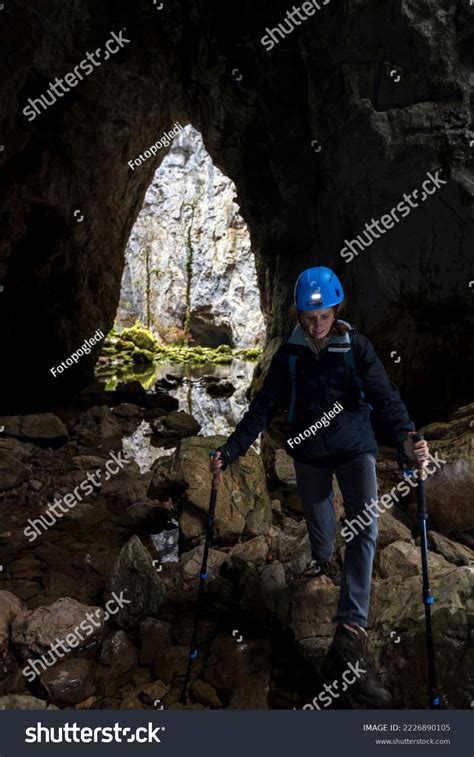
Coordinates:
<point>350,360</point>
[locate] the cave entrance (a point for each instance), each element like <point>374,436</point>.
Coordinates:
<point>189,273</point>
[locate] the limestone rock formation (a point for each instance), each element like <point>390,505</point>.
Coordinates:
<point>188,262</point>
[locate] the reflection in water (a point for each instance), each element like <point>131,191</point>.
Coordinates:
<point>216,415</point>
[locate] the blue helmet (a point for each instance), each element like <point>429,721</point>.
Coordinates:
<point>318,288</point>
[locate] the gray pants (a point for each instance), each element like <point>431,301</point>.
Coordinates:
<point>358,484</point>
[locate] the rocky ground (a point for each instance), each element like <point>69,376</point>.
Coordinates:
<point>265,626</point>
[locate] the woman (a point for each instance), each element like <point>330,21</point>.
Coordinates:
<point>329,378</point>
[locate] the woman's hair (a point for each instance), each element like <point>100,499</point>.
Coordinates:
<point>339,328</point>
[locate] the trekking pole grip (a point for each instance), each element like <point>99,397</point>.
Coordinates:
<point>420,492</point>
<point>217,475</point>
<point>418,438</point>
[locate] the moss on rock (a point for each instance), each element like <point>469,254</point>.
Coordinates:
<point>140,336</point>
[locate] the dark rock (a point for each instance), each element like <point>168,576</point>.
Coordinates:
<point>97,427</point>
<point>45,429</point>
<point>134,577</point>
<point>119,652</point>
<point>155,635</point>
<point>24,702</point>
<point>220,389</point>
<point>161,400</point>
<point>68,682</point>
<point>240,671</point>
<point>10,607</point>
<point>130,391</point>
<point>452,552</point>
<point>127,410</point>
<point>174,377</point>
<point>175,425</point>
<point>12,472</point>
<point>190,563</point>
<point>205,694</point>
<point>172,662</point>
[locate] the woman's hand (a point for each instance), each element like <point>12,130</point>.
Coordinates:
<point>418,451</point>
<point>216,462</point>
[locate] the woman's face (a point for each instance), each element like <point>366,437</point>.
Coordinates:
<point>318,323</point>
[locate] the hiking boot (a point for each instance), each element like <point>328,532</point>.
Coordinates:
<point>349,651</point>
<point>328,568</point>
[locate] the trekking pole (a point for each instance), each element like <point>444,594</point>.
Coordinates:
<point>193,652</point>
<point>436,698</point>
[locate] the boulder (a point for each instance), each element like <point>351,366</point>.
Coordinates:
<point>44,429</point>
<point>12,472</point>
<point>135,578</point>
<point>391,528</point>
<point>10,607</point>
<point>175,425</point>
<point>291,547</point>
<point>450,550</point>
<point>239,671</point>
<point>162,400</point>
<point>190,563</point>
<point>220,388</point>
<point>155,635</point>
<point>97,427</point>
<point>397,630</point>
<point>205,694</point>
<point>450,490</point>
<point>129,391</point>
<point>243,505</point>
<point>24,702</point>
<point>403,559</point>
<point>398,636</point>
<point>172,662</point>
<point>68,682</point>
<point>127,410</point>
<point>34,631</point>
<point>273,587</point>
<point>251,552</point>
<point>119,653</point>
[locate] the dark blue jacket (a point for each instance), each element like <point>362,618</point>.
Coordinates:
<point>320,381</point>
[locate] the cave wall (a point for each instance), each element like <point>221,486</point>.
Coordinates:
<point>330,80</point>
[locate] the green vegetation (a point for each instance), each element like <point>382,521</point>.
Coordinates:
<point>137,345</point>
